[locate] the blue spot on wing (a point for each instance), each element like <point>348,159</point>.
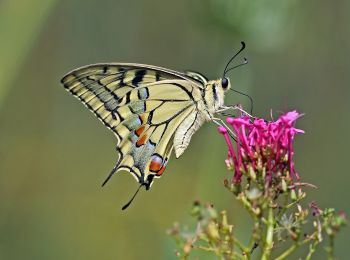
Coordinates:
<point>143,93</point>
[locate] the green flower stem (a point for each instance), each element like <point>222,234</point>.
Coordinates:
<point>244,249</point>
<point>293,203</point>
<point>253,212</point>
<point>312,250</point>
<point>208,249</point>
<point>330,248</point>
<point>298,244</point>
<point>287,252</point>
<point>269,235</point>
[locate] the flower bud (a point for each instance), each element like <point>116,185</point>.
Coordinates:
<point>222,130</point>
<point>293,195</point>
<point>212,231</point>
<point>284,185</point>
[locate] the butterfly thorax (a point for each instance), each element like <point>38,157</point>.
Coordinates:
<point>214,97</point>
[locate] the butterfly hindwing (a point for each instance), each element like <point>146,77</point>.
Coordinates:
<point>147,149</point>
<point>147,138</point>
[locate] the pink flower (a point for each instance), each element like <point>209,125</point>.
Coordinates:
<point>261,144</point>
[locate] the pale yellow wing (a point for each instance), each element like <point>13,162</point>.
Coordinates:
<point>143,105</point>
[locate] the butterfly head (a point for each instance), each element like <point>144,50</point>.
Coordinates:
<point>225,84</point>
<point>220,85</point>
<point>215,92</point>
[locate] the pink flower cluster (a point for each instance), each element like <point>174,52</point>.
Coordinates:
<point>262,146</point>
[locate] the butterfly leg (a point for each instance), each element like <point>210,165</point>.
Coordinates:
<point>220,122</point>
<point>236,107</point>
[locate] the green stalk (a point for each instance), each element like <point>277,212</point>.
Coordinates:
<point>269,236</point>
<point>330,249</point>
<point>240,246</point>
<point>290,250</point>
<point>248,206</point>
<point>312,250</point>
<point>287,252</point>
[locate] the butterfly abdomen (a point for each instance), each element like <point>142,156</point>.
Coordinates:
<point>185,131</point>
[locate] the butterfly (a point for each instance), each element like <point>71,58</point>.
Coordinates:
<point>152,111</point>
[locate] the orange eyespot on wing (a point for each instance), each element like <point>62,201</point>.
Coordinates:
<point>157,165</point>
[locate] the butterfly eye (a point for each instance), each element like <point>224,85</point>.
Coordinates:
<point>224,83</point>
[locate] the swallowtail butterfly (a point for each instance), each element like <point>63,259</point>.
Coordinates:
<point>152,111</point>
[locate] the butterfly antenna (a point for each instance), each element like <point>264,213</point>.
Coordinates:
<point>245,61</point>
<point>246,95</point>
<point>133,197</point>
<point>233,57</point>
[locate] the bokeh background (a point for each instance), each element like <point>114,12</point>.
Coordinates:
<point>54,154</point>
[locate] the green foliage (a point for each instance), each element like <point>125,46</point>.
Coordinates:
<point>275,225</point>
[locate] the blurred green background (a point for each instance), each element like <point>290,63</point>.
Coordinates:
<point>54,154</point>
